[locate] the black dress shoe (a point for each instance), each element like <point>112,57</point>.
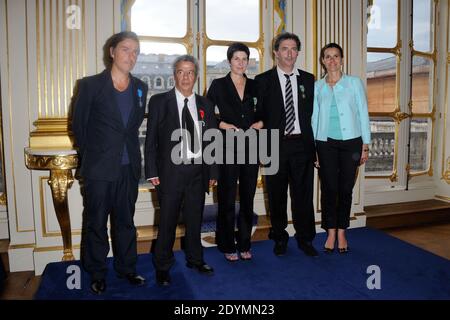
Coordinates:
<point>162,278</point>
<point>280,248</point>
<point>202,268</point>
<point>134,279</point>
<point>98,286</point>
<point>307,248</point>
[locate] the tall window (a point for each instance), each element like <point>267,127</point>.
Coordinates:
<point>396,104</point>
<point>164,34</point>
<point>423,106</point>
<point>383,68</point>
<point>221,28</point>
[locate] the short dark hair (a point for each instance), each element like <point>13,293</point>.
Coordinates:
<point>328,46</point>
<point>112,42</point>
<point>285,36</point>
<point>185,58</point>
<point>237,46</point>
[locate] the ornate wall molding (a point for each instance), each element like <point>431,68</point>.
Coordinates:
<point>62,162</point>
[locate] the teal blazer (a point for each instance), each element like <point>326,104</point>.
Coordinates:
<point>351,103</point>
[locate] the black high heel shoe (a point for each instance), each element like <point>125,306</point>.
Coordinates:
<point>328,250</point>
<point>344,250</point>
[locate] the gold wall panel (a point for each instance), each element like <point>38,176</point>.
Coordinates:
<point>59,61</point>
<point>332,25</point>
<point>61,53</point>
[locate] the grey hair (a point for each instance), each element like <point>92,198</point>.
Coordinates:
<point>185,58</point>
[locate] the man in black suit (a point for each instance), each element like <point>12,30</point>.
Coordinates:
<point>107,114</point>
<point>180,186</point>
<point>285,103</point>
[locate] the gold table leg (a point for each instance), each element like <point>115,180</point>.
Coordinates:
<point>60,181</point>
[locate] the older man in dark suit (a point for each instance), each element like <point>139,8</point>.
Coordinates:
<point>285,103</point>
<point>181,178</point>
<point>107,114</point>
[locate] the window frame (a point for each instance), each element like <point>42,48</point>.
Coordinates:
<point>427,115</point>
<point>208,42</point>
<point>186,40</point>
<point>402,110</point>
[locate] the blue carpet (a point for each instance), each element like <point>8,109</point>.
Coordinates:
<point>407,272</point>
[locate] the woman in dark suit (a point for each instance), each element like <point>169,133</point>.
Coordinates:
<point>234,97</point>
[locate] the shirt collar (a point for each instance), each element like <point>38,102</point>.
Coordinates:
<point>281,73</point>
<point>181,97</point>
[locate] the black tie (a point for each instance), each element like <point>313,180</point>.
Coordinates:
<point>188,124</point>
<point>289,106</point>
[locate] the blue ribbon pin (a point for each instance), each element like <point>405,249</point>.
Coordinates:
<point>139,92</point>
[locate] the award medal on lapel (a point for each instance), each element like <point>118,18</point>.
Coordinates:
<point>139,92</point>
<point>302,89</point>
<point>202,115</point>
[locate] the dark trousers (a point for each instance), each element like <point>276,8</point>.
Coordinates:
<point>117,198</point>
<point>339,160</point>
<point>187,197</point>
<point>247,174</point>
<point>297,171</point>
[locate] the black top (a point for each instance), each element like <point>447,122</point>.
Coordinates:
<point>125,103</point>
<point>232,109</point>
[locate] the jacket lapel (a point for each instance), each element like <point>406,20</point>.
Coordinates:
<point>136,100</point>
<point>233,94</point>
<point>247,93</point>
<point>278,96</point>
<point>301,96</point>
<point>200,113</point>
<point>173,109</point>
<point>109,95</point>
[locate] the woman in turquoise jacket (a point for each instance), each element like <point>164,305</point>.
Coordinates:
<point>341,129</point>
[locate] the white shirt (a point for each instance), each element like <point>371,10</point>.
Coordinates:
<point>193,110</point>
<point>294,86</point>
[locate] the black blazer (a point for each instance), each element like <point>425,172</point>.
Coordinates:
<point>224,95</point>
<point>163,119</point>
<point>270,104</point>
<point>100,134</point>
